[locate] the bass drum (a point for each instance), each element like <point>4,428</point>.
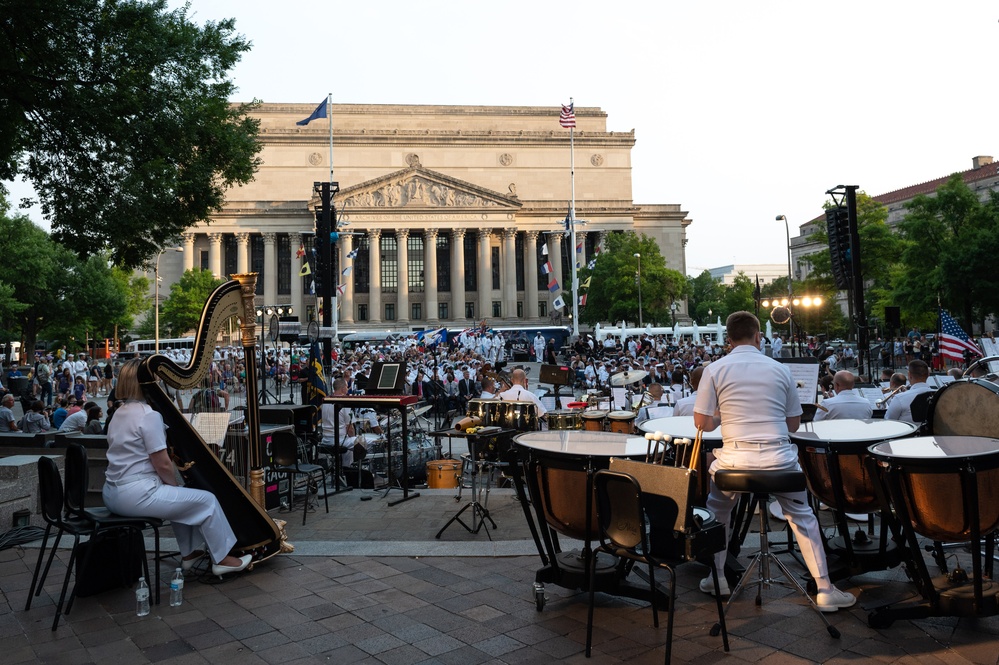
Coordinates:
<point>966,407</point>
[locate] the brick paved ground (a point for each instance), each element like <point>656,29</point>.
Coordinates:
<point>332,601</point>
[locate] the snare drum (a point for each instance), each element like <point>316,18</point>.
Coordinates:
<point>521,416</point>
<point>622,422</point>
<point>443,474</point>
<point>594,420</point>
<point>565,419</point>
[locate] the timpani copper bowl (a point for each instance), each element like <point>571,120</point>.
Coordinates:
<point>833,455</point>
<point>946,489</point>
<point>557,467</point>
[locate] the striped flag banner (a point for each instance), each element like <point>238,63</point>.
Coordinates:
<point>553,285</point>
<point>547,268</point>
<point>953,340</point>
<point>567,118</point>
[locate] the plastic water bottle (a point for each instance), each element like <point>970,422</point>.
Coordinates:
<point>177,588</point>
<point>142,598</point>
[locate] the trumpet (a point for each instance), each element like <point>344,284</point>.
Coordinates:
<point>883,402</point>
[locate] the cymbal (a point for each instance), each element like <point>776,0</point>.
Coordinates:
<point>423,409</point>
<point>627,377</point>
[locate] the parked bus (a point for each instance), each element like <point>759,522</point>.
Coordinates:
<point>147,347</point>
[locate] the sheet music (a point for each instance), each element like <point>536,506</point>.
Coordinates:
<point>548,403</point>
<point>211,425</point>
<point>617,396</point>
<point>565,401</point>
<point>939,380</point>
<point>806,379</point>
<point>872,395</point>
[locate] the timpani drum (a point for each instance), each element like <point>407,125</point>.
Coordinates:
<point>565,419</point>
<point>682,427</point>
<point>967,407</point>
<point>832,454</point>
<point>481,409</point>
<point>945,488</point>
<point>594,420</point>
<point>621,422</point>
<point>521,416</point>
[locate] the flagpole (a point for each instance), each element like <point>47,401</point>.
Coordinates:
<point>329,116</point>
<point>572,227</point>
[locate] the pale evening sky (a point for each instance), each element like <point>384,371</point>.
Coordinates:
<point>742,110</point>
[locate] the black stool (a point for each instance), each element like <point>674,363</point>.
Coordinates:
<point>761,484</point>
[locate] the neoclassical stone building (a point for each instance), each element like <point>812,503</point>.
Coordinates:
<point>446,207</point>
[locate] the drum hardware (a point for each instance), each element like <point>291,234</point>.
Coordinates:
<point>480,512</point>
<point>627,377</point>
<point>981,361</point>
<point>416,413</point>
<point>942,488</point>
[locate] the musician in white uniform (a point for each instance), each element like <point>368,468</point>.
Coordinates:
<point>518,392</point>
<point>755,401</point>
<point>845,403</point>
<point>685,407</point>
<point>347,438</point>
<point>900,406</point>
<point>655,401</point>
<point>141,481</point>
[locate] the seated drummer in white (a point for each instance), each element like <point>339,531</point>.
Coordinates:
<point>685,406</point>
<point>845,403</point>
<point>347,437</point>
<point>518,392</point>
<point>899,407</point>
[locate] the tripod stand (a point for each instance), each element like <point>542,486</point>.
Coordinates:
<point>480,513</point>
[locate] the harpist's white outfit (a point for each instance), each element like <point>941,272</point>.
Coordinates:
<point>132,486</point>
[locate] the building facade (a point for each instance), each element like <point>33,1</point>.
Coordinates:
<point>766,272</point>
<point>444,212</point>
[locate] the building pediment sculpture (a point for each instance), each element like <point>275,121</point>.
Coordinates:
<point>418,187</point>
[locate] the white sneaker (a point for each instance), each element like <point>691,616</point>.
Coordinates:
<point>834,599</point>
<point>707,585</point>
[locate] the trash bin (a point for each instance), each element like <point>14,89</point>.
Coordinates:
<point>17,385</point>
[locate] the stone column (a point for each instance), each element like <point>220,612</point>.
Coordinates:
<point>347,298</point>
<point>242,253</point>
<point>485,275</point>
<point>215,253</point>
<point>270,269</point>
<point>602,240</point>
<point>508,278</point>
<point>530,275</point>
<point>555,255</point>
<point>430,275</point>
<point>375,281</point>
<point>402,293</point>
<point>294,242</point>
<point>188,251</point>
<point>580,258</point>
<point>458,274</point>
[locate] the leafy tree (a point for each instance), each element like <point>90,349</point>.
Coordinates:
<point>181,311</point>
<point>613,292</point>
<point>705,293</point>
<point>117,112</point>
<point>949,246</point>
<point>739,296</point>
<point>40,279</point>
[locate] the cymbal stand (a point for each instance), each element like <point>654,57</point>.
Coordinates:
<point>480,513</point>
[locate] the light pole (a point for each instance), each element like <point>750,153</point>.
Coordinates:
<point>790,297</point>
<point>156,293</point>
<point>639,257</point>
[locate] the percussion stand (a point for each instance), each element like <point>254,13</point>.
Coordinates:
<point>480,513</point>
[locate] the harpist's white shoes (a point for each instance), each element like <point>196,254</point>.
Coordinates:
<point>222,570</point>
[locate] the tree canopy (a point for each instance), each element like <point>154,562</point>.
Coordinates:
<point>182,310</point>
<point>613,291</point>
<point>117,112</point>
<point>949,244</point>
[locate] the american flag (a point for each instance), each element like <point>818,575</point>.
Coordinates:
<point>953,340</point>
<point>568,117</point>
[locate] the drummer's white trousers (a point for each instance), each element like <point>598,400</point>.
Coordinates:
<point>768,457</point>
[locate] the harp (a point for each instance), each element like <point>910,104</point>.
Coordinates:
<point>256,533</point>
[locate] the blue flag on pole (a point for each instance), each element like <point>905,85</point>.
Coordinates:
<point>320,112</point>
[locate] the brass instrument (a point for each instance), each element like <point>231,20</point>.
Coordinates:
<point>256,533</point>
<point>883,402</point>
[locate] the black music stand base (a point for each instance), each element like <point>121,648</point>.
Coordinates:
<point>480,515</point>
